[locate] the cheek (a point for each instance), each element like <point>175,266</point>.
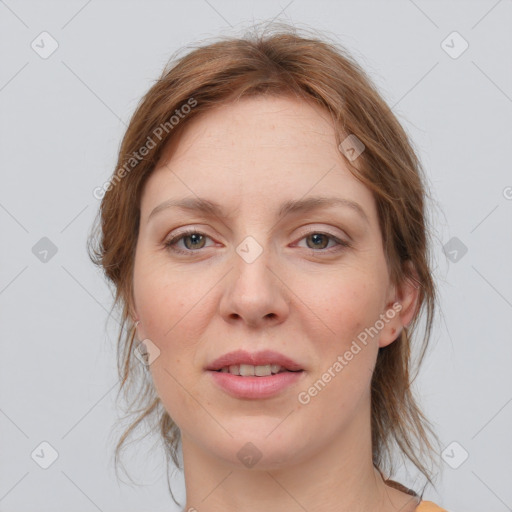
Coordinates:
<point>174,312</point>
<point>170,323</point>
<point>164,296</point>
<point>346,302</point>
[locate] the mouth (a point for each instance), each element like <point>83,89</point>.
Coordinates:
<point>259,364</point>
<point>258,375</point>
<point>249,370</point>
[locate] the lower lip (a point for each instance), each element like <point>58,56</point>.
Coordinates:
<point>254,387</point>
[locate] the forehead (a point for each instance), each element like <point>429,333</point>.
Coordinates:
<point>252,123</point>
<point>252,150</point>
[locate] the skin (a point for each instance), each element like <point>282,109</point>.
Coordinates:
<point>298,297</point>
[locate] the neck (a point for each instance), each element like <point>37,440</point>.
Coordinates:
<point>341,477</point>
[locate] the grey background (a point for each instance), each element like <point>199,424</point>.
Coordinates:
<point>61,122</point>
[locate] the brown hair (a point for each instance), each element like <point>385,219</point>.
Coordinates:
<point>314,69</point>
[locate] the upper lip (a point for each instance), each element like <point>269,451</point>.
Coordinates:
<point>261,358</point>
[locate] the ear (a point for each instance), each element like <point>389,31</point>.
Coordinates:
<point>401,306</point>
<point>133,315</point>
<point>130,306</point>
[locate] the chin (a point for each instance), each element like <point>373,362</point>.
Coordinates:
<point>257,444</point>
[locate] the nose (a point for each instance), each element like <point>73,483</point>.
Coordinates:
<point>255,294</point>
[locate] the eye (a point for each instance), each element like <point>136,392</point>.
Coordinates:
<point>320,240</point>
<point>196,241</point>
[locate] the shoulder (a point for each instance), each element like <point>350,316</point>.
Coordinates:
<point>428,506</point>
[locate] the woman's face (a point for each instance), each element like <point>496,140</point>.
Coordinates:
<point>309,283</point>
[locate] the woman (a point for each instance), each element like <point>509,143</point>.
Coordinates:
<point>265,233</point>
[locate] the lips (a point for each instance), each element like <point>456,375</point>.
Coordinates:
<point>262,358</point>
<point>255,376</point>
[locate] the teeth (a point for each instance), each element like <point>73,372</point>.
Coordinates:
<point>249,370</point>
<point>274,368</point>
<point>262,371</point>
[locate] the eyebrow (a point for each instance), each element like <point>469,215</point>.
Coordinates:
<point>306,205</point>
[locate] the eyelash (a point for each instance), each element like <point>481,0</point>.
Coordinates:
<point>171,243</point>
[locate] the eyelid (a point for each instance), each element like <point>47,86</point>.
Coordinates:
<point>318,228</point>
<point>305,230</point>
